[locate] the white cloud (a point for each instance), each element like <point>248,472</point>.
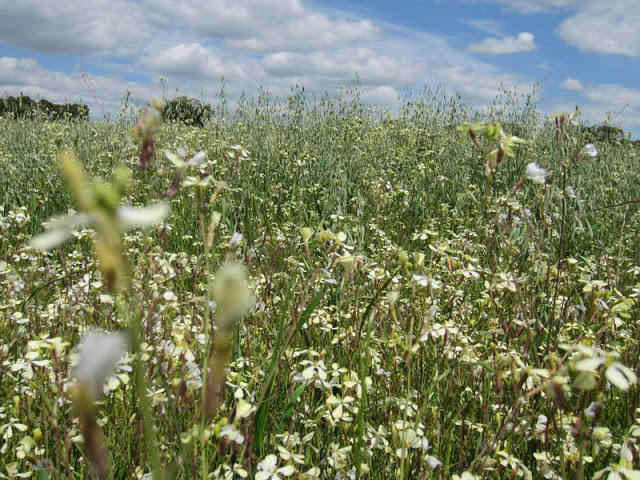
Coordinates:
<point>223,18</point>
<point>384,95</point>
<point>616,96</point>
<point>492,27</point>
<point>524,42</point>
<point>572,84</point>
<point>604,101</point>
<point>534,6</point>
<point>480,86</point>
<point>597,26</point>
<point>310,32</point>
<point>605,27</point>
<point>262,25</point>
<point>194,60</point>
<point>372,67</point>
<point>107,27</point>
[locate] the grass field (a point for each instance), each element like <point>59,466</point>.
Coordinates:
<point>332,294</point>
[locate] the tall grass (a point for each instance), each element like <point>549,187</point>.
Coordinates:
<point>414,317</point>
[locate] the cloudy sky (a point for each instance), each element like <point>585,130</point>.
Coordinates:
<point>582,52</point>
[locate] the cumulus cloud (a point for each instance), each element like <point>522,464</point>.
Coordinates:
<point>616,96</point>
<point>605,27</point>
<point>194,60</point>
<point>372,68</point>
<point>604,101</point>
<point>223,18</point>
<point>310,32</point>
<point>261,25</point>
<point>572,84</point>
<point>524,42</point>
<point>481,86</point>
<point>384,95</point>
<point>108,27</point>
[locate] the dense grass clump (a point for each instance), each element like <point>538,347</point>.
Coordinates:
<point>335,293</point>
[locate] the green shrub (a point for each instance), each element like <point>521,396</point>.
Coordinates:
<point>187,110</point>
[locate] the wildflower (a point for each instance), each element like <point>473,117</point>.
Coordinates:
<point>536,173</point>
<point>590,150</point>
<point>617,374</point>
<point>236,239</point>
<point>181,165</point>
<point>97,355</point>
<point>233,297</point>
<point>623,469</point>
<point>237,153</point>
<point>231,292</point>
<point>179,159</point>
<point>268,469</point>
<point>99,202</point>
<point>232,433</point>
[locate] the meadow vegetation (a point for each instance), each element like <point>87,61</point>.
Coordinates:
<point>309,288</point>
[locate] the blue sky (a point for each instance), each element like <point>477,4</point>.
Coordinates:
<point>580,52</point>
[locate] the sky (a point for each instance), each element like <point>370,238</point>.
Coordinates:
<point>569,52</point>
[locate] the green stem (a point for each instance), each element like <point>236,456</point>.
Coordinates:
<point>143,400</point>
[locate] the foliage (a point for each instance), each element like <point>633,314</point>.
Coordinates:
<point>24,107</point>
<point>188,110</point>
<point>422,302</point>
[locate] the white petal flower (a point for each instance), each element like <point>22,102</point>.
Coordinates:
<point>98,354</point>
<point>236,239</point>
<point>536,173</point>
<point>197,160</point>
<point>230,289</point>
<point>143,217</point>
<point>59,230</point>
<point>590,150</point>
<point>177,160</point>
<point>50,239</point>
<point>621,376</point>
<point>232,433</point>
<point>268,469</point>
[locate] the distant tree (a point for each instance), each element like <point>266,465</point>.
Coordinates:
<point>602,133</point>
<point>25,107</point>
<point>189,111</point>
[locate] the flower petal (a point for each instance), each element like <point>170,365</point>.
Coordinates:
<point>143,216</point>
<point>197,159</point>
<point>50,239</point>
<point>621,376</point>
<point>590,149</point>
<point>98,354</point>
<point>175,159</point>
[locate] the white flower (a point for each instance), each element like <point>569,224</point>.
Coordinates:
<point>590,150</point>
<point>179,161</point>
<point>231,292</point>
<point>60,230</point>
<point>536,173</point>
<point>98,354</point>
<point>232,433</point>
<point>268,469</point>
<point>617,374</point>
<point>143,217</point>
<point>236,239</point>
